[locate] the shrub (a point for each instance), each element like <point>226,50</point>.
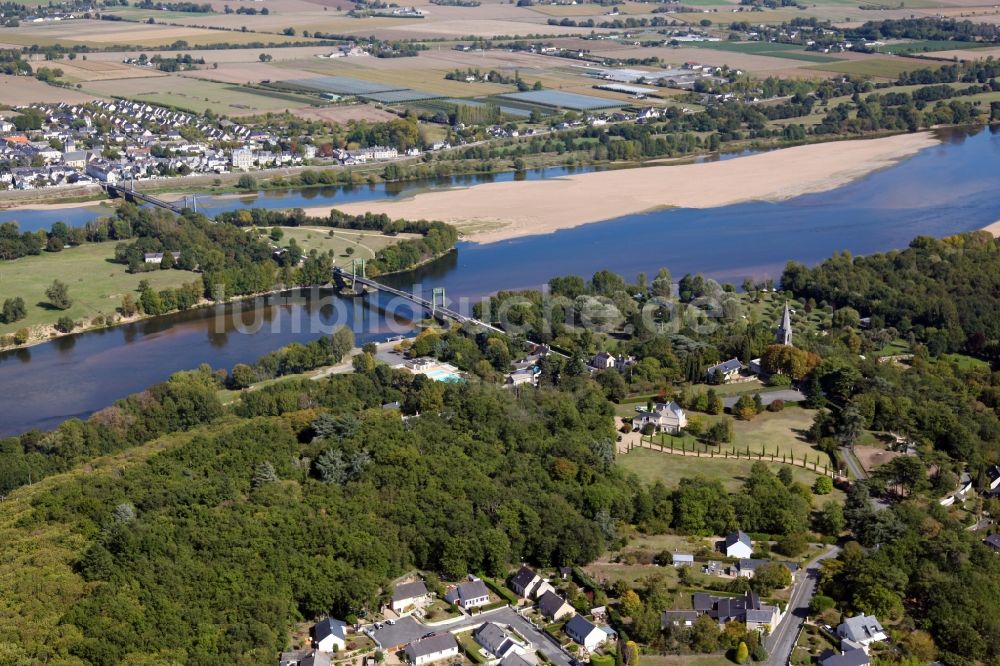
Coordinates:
<point>823,485</point>
<point>820,603</point>
<point>776,405</point>
<point>21,336</point>
<point>65,324</point>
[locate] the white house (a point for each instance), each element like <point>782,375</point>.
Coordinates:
<point>738,545</point>
<point>430,649</point>
<point>682,559</point>
<point>861,630</point>
<point>407,595</point>
<point>470,594</point>
<point>330,635</point>
<point>665,417</point>
<point>603,360</point>
<point>993,476</point>
<point>554,607</point>
<point>585,633</point>
<point>242,159</point>
<point>529,584</point>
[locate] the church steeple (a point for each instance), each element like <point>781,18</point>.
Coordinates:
<point>783,336</point>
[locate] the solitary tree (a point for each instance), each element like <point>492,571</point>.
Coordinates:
<point>58,295</point>
<point>742,653</point>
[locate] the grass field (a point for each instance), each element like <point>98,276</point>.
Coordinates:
<point>95,284</point>
<point>364,243</point>
<point>651,466</point>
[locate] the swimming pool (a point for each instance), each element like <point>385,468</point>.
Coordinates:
<point>443,376</point>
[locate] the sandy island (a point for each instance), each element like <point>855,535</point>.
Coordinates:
<point>499,211</point>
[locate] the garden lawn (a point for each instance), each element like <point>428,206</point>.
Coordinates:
<point>96,285</point>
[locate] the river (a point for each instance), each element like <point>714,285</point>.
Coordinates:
<point>943,190</point>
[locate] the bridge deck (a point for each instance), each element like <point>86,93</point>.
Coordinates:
<point>423,302</point>
<point>148,198</point>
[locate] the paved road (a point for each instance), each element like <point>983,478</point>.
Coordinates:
<point>788,395</point>
<point>855,467</point>
<point>779,645</point>
<point>507,616</point>
<point>852,463</point>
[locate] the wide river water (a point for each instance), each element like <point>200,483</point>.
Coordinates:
<point>945,189</point>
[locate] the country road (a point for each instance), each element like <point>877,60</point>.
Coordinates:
<point>779,645</point>
<point>852,463</point>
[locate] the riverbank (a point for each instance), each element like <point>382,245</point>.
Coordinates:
<point>993,229</point>
<point>500,211</point>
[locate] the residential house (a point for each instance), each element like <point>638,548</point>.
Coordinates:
<point>993,477</point>
<point>104,171</point>
<point>470,594</point>
<point>242,159</point>
<point>993,541</point>
<point>554,607</point>
<point>603,360</point>
<point>522,376</point>
<point>529,584</point>
<point>724,372</point>
<point>585,633</point>
<point>517,660</point>
<point>861,630</point>
<point>678,618</point>
<point>665,417</point>
<point>738,545</point>
<point>747,609</point>
<point>330,635</point>
<point>407,595</point>
<point>157,257</point>
<point>431,649</point>
<point>496,641</point>
<point>682,559</point>
<point>849,658</point>
<point>317,658</point>
<point>747,568</point>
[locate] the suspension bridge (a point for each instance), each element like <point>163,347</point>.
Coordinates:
<point>355,282</point>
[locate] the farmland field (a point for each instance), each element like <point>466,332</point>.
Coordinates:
<point>102,34</point>
<point>771,49</point>
<point>927,45</point>
<point>79,70</point>
<point>101,291</point>
<point>18,90</point>
<point>197,95</point>
<point>883,68</point>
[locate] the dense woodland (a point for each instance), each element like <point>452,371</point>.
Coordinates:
<point>304,497</point>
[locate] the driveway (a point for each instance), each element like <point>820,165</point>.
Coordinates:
<point>779,645</point>
<point>788,395</point>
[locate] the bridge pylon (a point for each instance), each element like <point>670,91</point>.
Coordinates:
<point>435,293</point>
<point>355,263</point>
